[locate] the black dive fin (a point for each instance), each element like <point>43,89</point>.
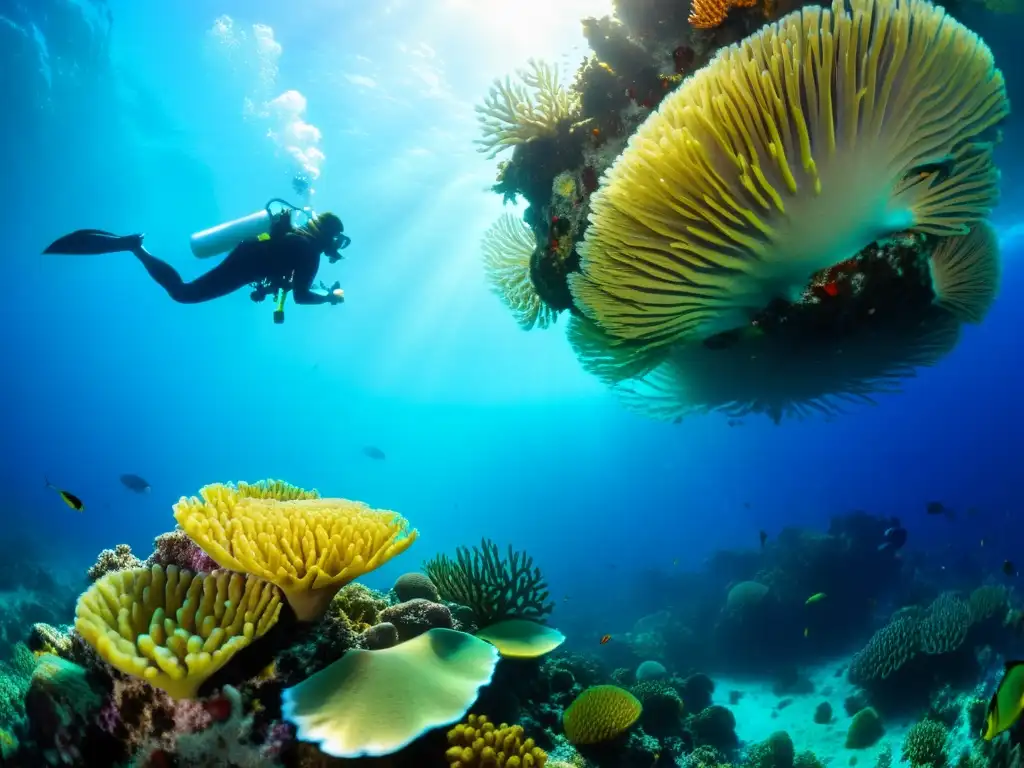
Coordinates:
<point>88,242</point>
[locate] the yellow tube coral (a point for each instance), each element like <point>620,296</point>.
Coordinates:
<point>172,628</point>
<point>479,743</point>
<point>309,547</point>
<point>787,154</point>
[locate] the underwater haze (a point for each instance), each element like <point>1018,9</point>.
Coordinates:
<point>419,393</point>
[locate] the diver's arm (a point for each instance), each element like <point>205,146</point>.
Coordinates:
<point>305,272</point>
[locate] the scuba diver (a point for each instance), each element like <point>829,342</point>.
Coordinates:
<point>264,250</point>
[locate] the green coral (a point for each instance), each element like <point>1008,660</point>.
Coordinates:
<point>925,744</point>
<point>494,588</point>
<point>15,676</point>
<point>807,759</point>
<point>988,601</point>
<point>889,648</point>
<point>776,751</point>
<point>941,628</point>
<point>359,606</point>
<point>705,756</point>
<point>865,729</point>
<point>944,628</point>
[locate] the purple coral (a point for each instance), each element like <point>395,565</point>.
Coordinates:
<point>120,558</point>
<point>176,548</point>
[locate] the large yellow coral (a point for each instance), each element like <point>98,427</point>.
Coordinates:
<point>172,628</point>
<point>600,713</point>
<point>508,246</point>
<point>309,547</point>
<point>479,743</point>
<point>787,154</point>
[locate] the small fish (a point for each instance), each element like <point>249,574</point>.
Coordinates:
<point>894,538</point>
<point>605,639</point>
<point>937,508</point>
<point>1009,568</point>
<point>764,538</point>
<point>374,452</point>
<point>69,498</point>
<point>807,631</point>
<point>746,505</point>
<point>983,542</point>
<point>675,562</point>
<point>1007,702</point>
<point>135,483</point>
<point>817,597</point>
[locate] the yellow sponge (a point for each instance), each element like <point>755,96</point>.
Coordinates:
<point>308,546</point>
<point>600,713</point>
<point>478,743</point>
<point>173,628</point>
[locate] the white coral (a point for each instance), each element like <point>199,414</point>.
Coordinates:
<point>516,113</point>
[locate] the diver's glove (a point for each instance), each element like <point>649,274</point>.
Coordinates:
<point>334,294</point>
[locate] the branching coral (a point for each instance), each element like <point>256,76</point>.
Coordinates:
<point>752,176</point>
<point>492,587</point>
<point>516,113</point>
<point>508,247</point>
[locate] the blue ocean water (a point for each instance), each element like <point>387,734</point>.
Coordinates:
<point>142,125</point>
<point>132,117</point>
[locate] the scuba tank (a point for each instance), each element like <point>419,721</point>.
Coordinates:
<point>223,237</point>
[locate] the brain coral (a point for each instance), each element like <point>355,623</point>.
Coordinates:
<point>600,713</point>
<point>752,176</point>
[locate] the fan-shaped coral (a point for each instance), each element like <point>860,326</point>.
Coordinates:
<point>787,154</point>
<point>310,547</point>
<point>609,359</point>
<point>781,375</point>
<point>965,273</point>
<point>508,247</point>
<point>521,112</point>
<point>172,628</point>
<point>600,713</point>
<point>479,743</point>
<point>373,703</point>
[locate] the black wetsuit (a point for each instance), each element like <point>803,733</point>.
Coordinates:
<point>288,261</point>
